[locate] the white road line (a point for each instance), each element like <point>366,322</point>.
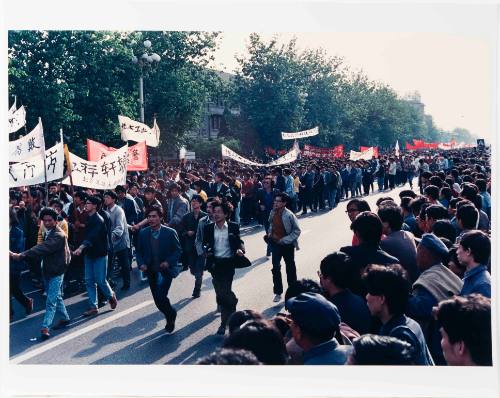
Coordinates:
<point>33,353</point>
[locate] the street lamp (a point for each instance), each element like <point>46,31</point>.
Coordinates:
<point>146,60</point>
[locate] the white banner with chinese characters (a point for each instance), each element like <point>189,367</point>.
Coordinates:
<point>31,171</point>
<point>138,132</point>
<point>106,173</point>
<point>17,119</point>
<point>228,153</point>
<point>28,146</point>
<point>289,157</point>
<point>300,134</point>
<point>365,155</point>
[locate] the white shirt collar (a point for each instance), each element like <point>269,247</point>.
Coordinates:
<point>223,227</point>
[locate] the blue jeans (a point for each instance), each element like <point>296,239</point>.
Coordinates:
<point>331,197</point>
<point>380,183</point>
<point>95,275</point>
<point>55,302</point>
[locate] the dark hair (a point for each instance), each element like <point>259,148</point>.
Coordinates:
<point>436,212</point>
<point>391,214</point>
<point>383,199</point>
<point>405,203</point>
<point>432,191</point>
<point>198,198</point>
<point>95,200</point>
<point>361,204</point>
<point>368,226</point>
<point>416,204</point>
<point>120,188</point>
<point>446,192</point>
<point>468,215</point>
<point>56,202</point>
<point>111,194</point>
<point>468,319</point>
<point>479,244</point>
<point>81,194</point>
<point>435,181</point>
<point>301,286</point>
<point>263,339</point>
<point>149,190</point>
<point>47,211</point>
<point>223,205</point>
<point>372,349</point>
<point>407,192</point>
<point>229,356</point>
<point>444,229</point>
<point>175,186</point>
<point>481,184</point>
<point>238,318</point>
<point>390,281</point>
<point>338,267</point>
<point>469,191</point>
<point>152,208</point>
<point>284,197</point>
<point>453,203</point>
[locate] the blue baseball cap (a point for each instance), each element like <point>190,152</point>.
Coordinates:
<point>432,243</point>
<point>314,313</point>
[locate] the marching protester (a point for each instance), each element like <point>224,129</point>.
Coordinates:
<point>158,252</point>
<point>283,235</point>
<point>95,249</point>
<point>222,246</point>
<point>55,255</point>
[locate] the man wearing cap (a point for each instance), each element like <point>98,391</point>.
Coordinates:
<point>435,283</point>
<point>315,323</point>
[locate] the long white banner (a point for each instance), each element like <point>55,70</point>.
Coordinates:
<point>31,171</point>
<point>107,173</point>
<point>229,153</point>
<point>300,134</point>
<point>289,157</point>
<point>136,131</point>
<point>28,146</point>
<point>365,155</point>
<point>17,119</point>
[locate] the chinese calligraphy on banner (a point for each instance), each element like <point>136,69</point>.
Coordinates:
<point>28,146</point>
<point>31,171</point>
<point>323,153</point>
<point>365,155</point>
<point>375,150</point>
<point>300,134</point>
<point>291,156</point>
<point>137,154</point>
<point>17,119</point>
<point>136,131</point>
<point>106,173</point>
<point>228,153</point>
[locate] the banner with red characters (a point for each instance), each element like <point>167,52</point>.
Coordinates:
<point>310,151</point>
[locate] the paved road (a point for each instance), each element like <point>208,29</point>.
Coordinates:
<point>134,334</point>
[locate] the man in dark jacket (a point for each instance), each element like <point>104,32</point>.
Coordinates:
<point>95,247</point>
<point>189,227</point>
<point>222,244</point>
<point>158,251</point>
<point>55,255</point>
<point>367,228</point>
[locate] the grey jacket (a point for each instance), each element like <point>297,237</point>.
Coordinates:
<point>199,234</point>
<point>119,229</point>
<point>291,224</point>
<point>178,207</point>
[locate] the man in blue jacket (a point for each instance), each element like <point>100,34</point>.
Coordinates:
<point>158,251</point>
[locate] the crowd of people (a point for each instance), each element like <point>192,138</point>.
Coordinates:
<point>413,288</point>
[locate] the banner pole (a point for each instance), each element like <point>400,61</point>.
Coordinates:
<point>46,185</point>
<point>71,187</point>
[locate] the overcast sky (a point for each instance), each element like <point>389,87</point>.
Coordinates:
<point>447,53</point>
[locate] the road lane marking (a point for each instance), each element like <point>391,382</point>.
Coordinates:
<point>33,353</point>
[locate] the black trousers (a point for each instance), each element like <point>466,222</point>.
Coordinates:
<point>159,283</point>
<point>222,279</point>
<point>392,181</point>
<point>306,199</point>
<point>123,260</point>
<point>287,252</point>
<point>15,290</point>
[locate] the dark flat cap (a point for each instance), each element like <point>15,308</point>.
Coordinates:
<point>313,312</point>
<point>434,244</point>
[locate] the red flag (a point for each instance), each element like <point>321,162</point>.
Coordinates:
<point>270,151</point>
<point>137,154</point>
<point>419,143</point>
<point>282,152</point>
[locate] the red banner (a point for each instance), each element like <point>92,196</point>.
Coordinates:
<point>310,151</point>
<point>137,154</point>
<point>375,150</point>
<point>270,151</point>
<point>419,143</point>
